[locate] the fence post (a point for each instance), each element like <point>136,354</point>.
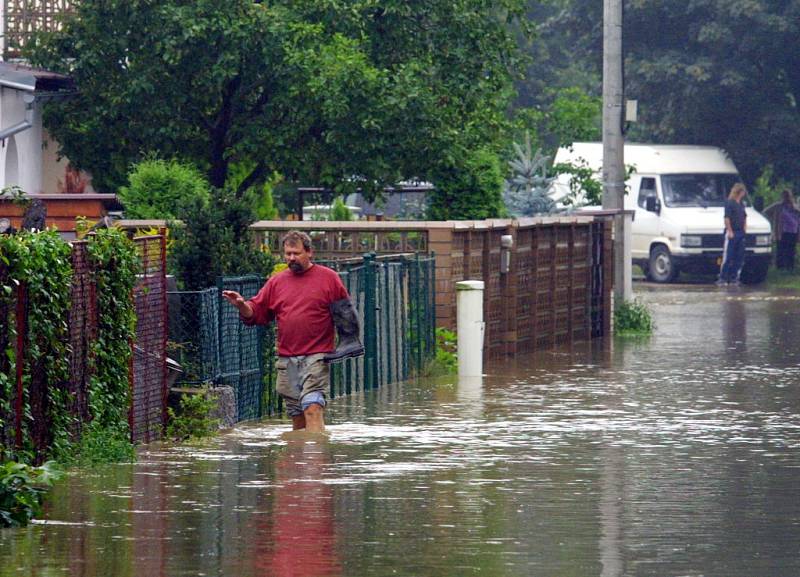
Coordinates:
<point>370,323</point>
<point>419,335</point>
<point>471,327</point>
<point>431,293</point>
<point>162,245</point>
<point>220,355</point>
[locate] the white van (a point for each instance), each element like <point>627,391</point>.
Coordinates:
<point>678,193</point>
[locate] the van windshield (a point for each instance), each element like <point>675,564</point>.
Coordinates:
<point>697,189</point>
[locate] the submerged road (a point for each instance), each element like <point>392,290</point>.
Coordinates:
<point>678,454</point>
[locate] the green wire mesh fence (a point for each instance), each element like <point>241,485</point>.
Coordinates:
<point>394,296</point>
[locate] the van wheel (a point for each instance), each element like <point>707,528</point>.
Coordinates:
<point>661,267</point>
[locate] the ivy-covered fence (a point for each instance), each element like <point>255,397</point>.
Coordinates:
<point>68,329</point>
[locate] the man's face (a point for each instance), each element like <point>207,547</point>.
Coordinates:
<point>297,257</point>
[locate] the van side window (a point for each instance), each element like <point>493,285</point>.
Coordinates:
<point>646,188</point>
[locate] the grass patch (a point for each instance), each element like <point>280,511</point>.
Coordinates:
<point>100,445</point>
<point>783,279</point>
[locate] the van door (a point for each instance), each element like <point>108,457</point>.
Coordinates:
<point>646,225</point>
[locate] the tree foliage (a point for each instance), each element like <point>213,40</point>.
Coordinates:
<point>470,188</point>
<point>716,72</point>
<point>215,240</point>
<point>342,94</point>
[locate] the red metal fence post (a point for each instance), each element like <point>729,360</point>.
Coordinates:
<point>165,324</point>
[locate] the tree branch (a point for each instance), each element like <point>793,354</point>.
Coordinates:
<point>255,176</point>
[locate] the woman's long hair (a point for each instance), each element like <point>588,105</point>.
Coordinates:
<point>735,190</point>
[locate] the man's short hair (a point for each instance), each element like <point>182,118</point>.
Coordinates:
<point>297,237</point>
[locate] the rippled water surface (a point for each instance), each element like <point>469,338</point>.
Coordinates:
<point>674,455</point>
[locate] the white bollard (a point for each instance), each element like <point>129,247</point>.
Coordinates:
<point>470,327</point>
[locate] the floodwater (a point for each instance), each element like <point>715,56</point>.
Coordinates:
<point>674,455</point>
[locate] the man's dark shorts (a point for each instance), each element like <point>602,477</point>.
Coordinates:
<point>302,382</point>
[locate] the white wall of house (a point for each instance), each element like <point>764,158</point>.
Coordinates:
<point>21,153</point>
<point>29,159</point>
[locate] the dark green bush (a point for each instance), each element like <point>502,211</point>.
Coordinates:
<point>162,189</point>
<point>216,240</point>
<point>468,188</point>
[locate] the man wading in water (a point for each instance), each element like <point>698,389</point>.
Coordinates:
<point>307,299</point>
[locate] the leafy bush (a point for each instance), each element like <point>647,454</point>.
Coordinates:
<point>768,187</point>
<point>22,488</point>
<point>585,187</point>
<point>446,360</point>
<point>469,188</point>
<point>633,318</point>
<point>41,262</point>
<point>193,419</point>
<point>116,263</point>
<point>162,189</point>
<point>216,240</point>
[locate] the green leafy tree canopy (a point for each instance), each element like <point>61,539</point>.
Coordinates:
<point>340,94</point>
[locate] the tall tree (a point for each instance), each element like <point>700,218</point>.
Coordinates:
<point>343,94</point>
<point>719,72</point>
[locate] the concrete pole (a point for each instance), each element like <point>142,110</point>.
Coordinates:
<point>613,145</point>
<point>470,327</point>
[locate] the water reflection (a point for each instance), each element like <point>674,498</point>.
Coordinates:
<point>674,455</point>
<point>298,539</point>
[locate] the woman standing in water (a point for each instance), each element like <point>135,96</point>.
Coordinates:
<point>735,232</point>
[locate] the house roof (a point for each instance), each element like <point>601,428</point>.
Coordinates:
<point>22,77</point>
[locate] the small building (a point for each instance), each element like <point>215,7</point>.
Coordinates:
<point>405,201</point>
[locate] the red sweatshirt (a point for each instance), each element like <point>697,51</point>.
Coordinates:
<point>300,304</point>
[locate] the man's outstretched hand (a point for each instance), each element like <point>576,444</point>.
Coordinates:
<point>238,301</point>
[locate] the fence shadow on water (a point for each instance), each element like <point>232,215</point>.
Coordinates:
<point>394,295</point>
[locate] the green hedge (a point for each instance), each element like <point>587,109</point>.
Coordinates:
<point>42,263</point>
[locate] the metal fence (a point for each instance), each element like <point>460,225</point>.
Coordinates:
<point>395,299</point>
<point>148,412</point>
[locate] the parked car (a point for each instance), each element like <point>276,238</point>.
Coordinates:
<point>678,193</point>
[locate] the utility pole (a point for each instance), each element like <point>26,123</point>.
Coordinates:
<point>613,146</point>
